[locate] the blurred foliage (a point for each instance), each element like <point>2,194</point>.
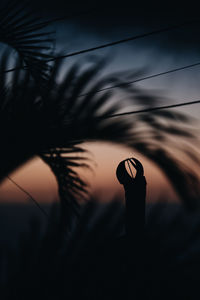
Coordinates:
<point>90,260</point>
<point>50,111</point>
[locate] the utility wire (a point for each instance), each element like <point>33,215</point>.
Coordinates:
<point>136,80</point>
<point>29,195</point>
<point>108,117</point>
<point>132,38</point>
<point>142,79</point>
<point>139,112</point>
<point>150,109</point>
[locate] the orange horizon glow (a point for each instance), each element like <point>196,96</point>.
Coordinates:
<point>39,181</point>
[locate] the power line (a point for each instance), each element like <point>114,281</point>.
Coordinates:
<point>139,112</point>
<point>150,109</point>
<point>29,195</point>
<point>132,38</point>
<point>142,79</point>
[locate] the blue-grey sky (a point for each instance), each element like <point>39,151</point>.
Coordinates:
<point>157,53</point>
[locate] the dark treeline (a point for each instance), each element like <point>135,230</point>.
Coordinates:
<point>89,259</point>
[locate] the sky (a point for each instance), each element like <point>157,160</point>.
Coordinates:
<point>101,24</point>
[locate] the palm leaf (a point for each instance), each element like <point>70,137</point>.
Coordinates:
<point>24,32</point>
<point>68,112</point>
<point>78,115</point>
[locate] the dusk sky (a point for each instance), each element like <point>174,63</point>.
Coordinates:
<point>157,53</point>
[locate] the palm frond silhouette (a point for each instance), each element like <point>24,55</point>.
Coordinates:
<point>23,32</point>
<point>50,117</point>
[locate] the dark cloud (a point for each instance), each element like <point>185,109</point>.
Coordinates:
<point>114,20</point>
<point>120,20</point>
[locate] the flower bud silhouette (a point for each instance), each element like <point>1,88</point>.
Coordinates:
<point>135,194</point>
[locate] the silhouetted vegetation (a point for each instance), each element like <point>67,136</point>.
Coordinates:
<point>50,111</point>
<point>48,115</point>
<point>90,260</point>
